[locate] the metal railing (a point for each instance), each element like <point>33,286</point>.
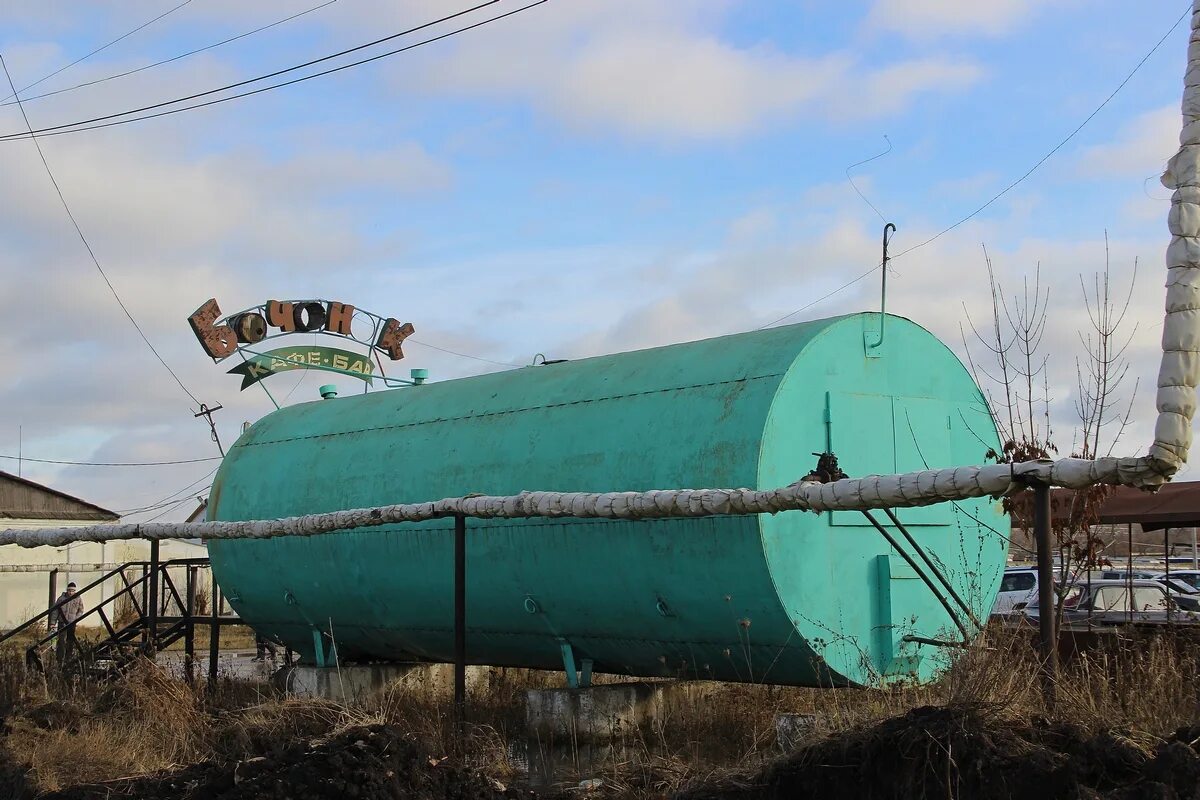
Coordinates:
<point>162,616</point>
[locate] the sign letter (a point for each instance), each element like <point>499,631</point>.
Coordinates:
<point>218,341</point>
<point>392,336</point>
<point>250,328</point>
<point>308,317</point>
<point>338,317</point>
<point>279,315</point>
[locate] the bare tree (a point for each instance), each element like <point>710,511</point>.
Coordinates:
<point>1015,380</point>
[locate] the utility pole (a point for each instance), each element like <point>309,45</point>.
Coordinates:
<point>207,413</point>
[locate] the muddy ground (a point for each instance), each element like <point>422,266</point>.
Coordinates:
<point>976,754</point>
<point>377,762</point>
<point>967,752</point>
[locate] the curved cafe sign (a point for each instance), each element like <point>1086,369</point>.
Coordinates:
<point>237,333</point>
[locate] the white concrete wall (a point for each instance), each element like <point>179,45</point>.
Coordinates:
<point>25,594</point>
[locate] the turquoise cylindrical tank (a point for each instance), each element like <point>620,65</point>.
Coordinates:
<point>794,598</point>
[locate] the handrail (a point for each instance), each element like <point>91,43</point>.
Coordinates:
<point>162,565</point>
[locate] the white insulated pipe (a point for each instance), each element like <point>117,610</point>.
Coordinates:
<point>1179,374</point>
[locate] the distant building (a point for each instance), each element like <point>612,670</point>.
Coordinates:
<point>25,593</point>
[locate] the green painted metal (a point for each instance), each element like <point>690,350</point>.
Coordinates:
<point>795,598</point>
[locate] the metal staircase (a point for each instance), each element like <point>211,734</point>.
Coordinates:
<point>154,616</point>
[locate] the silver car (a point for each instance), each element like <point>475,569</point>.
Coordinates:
<point>1114,602</point>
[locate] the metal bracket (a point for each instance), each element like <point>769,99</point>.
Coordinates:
<point>934,642</point>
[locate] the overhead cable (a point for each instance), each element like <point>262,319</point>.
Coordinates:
<point>1056,147</point>
<point>111,463</point>
<point>1006,189</point>
<point>179,57</point>
<point>59,129</point>
<point>86,245</point>
<point>98,49</point>
<point>169,500</point>
<point>464,355</point>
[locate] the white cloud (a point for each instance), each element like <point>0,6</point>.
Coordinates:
<point>1140,149</point>
<point>922,19</point>
<point>654,72</point>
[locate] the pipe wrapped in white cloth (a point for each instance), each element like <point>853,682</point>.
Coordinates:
<point>1179,375</point>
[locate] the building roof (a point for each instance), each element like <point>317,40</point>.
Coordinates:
<point>21,498</point>
<point>1175,505</point>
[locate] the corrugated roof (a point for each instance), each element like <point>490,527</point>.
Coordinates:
<point>21,498</point>
<point>1175,505</point>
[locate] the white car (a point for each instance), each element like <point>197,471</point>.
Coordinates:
<point>1018,588</point>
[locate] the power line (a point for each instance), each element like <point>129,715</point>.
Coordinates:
<point>167,510</point>
<point>55,132</point>
<point>88,122</point>
<point>854,185</point>
<point>98,49</point>
<point>465,355</point>
<point>807,306</point>
<point>111,463</point>
<point>1058,146</point>
<point>169,499</point>
<point>83,238</point>
<point>1006,189</point>
<point>173,58</point>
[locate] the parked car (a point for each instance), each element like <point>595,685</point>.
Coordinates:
<point>1017,588</point>
<point>1113,602</point>
<point>1176,584</point>
<point>1123,574</point>
<point>1188,576</point>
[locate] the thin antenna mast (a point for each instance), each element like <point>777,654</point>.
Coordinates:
<point>883,286</point>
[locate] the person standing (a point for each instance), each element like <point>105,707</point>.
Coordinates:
<point>68,609</point>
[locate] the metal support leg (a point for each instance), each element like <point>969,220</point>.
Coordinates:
<point>152,602</point>
<point>1046,616</point>
<point>568,657</point>
<point>319,648</point>
<point>189,632</point>
<point>460,627</point>
<point>53,597</point>
<point>585,675</point>
<point>214,638</point>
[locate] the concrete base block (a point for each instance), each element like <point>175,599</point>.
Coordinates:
<point>354,681</point>
<point>592,713</point>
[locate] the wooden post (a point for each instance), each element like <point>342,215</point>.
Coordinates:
<point>1046,596</point>
<point>460,629</point>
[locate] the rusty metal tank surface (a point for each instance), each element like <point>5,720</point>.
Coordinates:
<point>794,598</point>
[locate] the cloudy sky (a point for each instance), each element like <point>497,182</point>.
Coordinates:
<point>584,177</point>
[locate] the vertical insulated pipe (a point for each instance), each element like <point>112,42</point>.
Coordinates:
<point>1046,617</point>
<point>460,628</point>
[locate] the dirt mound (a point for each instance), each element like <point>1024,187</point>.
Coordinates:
<point>974,753</point>
<point>367,763</point>
<point>14,784</point>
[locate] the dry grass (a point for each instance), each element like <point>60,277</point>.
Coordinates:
<point>149,722</point>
